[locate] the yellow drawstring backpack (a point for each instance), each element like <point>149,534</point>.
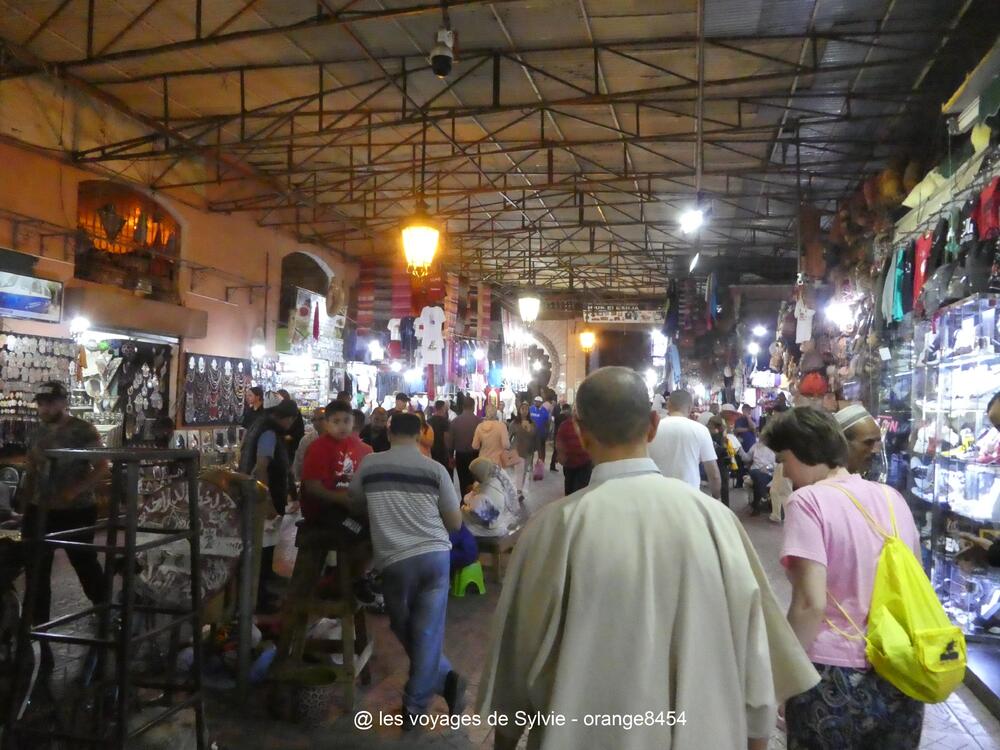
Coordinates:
<point>911,643</point>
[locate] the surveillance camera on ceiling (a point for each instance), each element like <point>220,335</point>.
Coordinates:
<point>443,55</point>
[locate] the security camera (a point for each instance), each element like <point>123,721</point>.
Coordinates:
<point>442,56</point>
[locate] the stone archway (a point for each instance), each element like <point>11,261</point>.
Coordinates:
<point>553,353</point>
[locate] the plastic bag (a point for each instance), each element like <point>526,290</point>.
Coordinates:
<point>539,473</point>
<point>285,550</point>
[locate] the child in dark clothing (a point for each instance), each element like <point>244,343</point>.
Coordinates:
<point>464,550</point>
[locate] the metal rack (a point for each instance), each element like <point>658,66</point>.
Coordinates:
<point>118,619</point>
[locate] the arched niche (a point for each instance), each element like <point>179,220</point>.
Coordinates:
<point>127,240</point>
<point>301,270</point>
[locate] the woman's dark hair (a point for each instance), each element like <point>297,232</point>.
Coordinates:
<point>993,401</point>
<point>407,425</point>
<point>257,391</point>
<point>284,394</point>
<point>359,419</point>
<point>812,436</point>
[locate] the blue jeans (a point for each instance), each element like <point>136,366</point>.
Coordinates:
<point>416,599</point>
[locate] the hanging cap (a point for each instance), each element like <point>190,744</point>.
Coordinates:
<point>851,415</point>
<point>728,407</point>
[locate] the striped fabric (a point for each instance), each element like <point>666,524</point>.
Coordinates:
<point>405,494</point>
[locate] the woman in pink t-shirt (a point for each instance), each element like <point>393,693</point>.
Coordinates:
<point>830,551</point>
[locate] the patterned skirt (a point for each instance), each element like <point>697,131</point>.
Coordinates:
<point>853,709</point>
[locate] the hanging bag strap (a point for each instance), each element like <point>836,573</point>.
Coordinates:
<point>861,635</point>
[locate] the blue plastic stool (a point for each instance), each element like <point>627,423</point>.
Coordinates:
<point>470,574</point>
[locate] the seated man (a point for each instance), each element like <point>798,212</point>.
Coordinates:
<point>491,508</point>
<point>761,460</point>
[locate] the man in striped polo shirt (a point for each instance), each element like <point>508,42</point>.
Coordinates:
<point>412,506</point>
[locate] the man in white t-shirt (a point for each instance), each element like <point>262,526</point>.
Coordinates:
<point>681,444</point>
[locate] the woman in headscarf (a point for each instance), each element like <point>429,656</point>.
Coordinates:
<point>491,508</point>
<point>491,438</point>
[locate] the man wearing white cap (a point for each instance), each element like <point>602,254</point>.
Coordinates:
<point>864,438</point>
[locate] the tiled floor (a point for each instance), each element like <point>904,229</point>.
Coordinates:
<point>960,724</point>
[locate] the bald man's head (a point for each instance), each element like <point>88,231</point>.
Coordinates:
<point>612,406</point>
<point>680,401</point>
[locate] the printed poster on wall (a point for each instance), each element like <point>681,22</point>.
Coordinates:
<point>30,298</point>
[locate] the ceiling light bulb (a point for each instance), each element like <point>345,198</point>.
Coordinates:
<point>841,314</point>
<point>79,325</point>
<point>479,355</point>
<point>529,305</point>
<point>753,348</point>
<point>536,366</point>
<point>396,367</point>
<point>691,220</point>
<point>759,331</point>
<point>694,262</point>
<point>461,362</point>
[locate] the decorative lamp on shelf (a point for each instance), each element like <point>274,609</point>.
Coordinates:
<point>588,339</point>
<point>420,242</point>
<point>529,305</point>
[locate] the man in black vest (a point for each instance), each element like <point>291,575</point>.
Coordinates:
<point>264,456</point>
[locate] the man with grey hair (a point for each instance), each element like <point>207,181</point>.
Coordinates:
<point>697,637</point>
<point>681,444</point>
<point>864,437</point>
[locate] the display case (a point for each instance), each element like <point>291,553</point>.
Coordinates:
<point>955,464</point>
<point>892,403</point>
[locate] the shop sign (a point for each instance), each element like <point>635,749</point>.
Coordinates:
<point>312,331</point>
<point>30,298</point>
<point>622,314</point>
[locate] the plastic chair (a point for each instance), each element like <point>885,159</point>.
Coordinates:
<point>470,574</point>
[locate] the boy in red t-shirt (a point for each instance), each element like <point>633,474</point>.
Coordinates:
<point>330,462</point>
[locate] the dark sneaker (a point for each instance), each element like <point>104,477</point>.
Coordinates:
<point>454,693</point>
<point>409,721</point>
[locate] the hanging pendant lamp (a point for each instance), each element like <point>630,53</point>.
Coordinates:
<point>420,242</point>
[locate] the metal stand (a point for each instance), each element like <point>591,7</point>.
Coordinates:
<point>116,619</point>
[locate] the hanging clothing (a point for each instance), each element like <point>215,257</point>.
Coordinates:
<point>897,291</point>
<point>889,289</point>
<point>803,322</point>
<point>906,288</point>
<point>429,332</point>
<point>922,257</point>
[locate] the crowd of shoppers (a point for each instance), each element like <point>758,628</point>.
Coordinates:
<point>634,525</point>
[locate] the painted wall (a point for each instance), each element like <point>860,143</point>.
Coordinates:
<point>234,250</point>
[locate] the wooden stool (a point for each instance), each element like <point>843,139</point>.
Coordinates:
<point>494,549</point>
<point>303,606</point>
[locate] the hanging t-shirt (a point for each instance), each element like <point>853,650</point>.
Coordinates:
<point>803,322</point>
<point>509,400</point>
<point>897,295</point>
<point>989,210</point>
<point>394,329</point>
<point>428,328</point>
<point>968,234</point>
<point>922,254</point>
<point>909,266</point>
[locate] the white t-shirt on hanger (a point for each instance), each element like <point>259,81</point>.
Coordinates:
<point>803,322</point>
<point>394,330</point>
<point>428,330</point>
